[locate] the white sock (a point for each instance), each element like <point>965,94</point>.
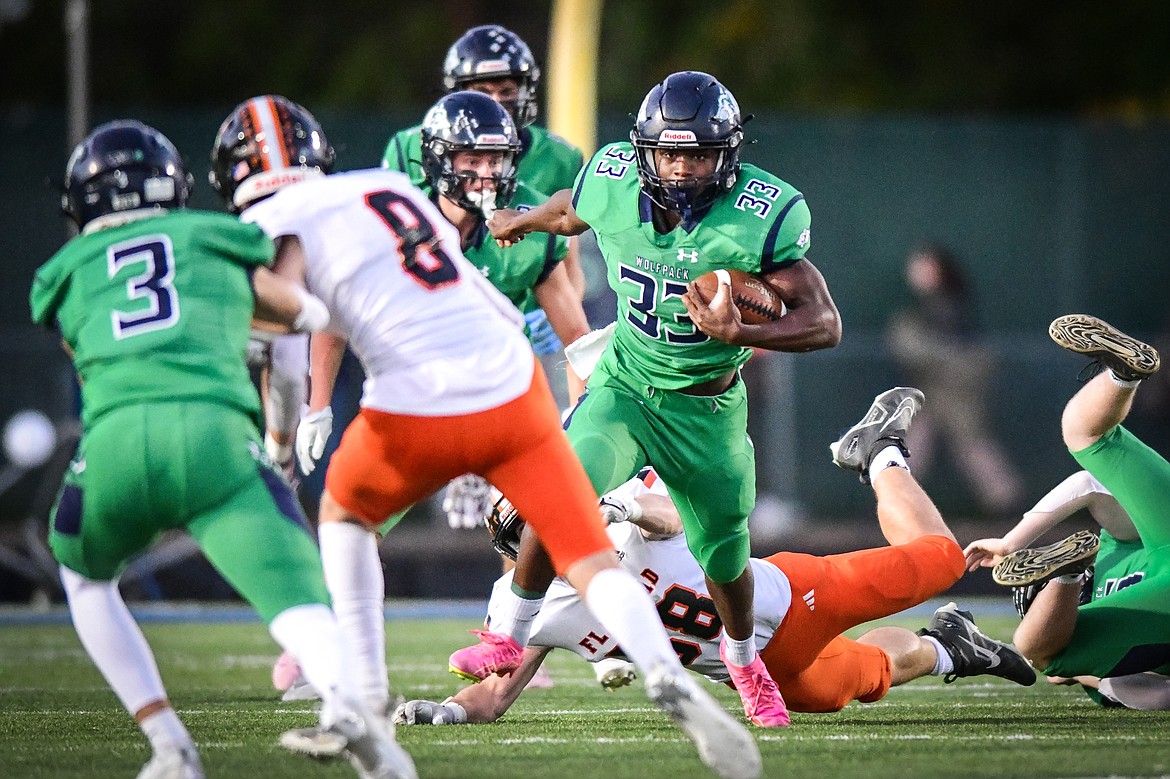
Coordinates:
<point>740,652</point>
<point>624,608</point>
<point>890,457</point>
<point>1124,383</point>
<point>313,636</point>
<point>513,615</point>
<point>943,664</point>
<point>113,640</point>
<point>353,574</point>
<point>165,732</point>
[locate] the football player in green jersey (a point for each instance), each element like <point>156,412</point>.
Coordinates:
<point>666,208</point>
<point>497,62</point>
<point>469,146</point>
<point>154,302</point>
<point>1116,642</point>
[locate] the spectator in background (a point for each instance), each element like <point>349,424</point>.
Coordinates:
<point>936,343</point>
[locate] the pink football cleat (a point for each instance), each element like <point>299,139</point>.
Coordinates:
<point>495,653</point>
<point>761,697</point>
<point>285,672</point>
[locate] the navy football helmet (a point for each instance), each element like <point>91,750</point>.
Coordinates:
<point>469,121</point>
<point>264,144</point>
<point>491,52</point>
<point>505,525</point>
<point>123,166</point>
<point>688,110</point>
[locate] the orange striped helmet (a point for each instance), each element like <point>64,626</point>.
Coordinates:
<point>266,143</point>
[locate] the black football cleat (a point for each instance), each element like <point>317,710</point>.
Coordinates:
<point>973,652</point>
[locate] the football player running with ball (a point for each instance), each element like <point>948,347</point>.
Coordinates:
<point>154,303</point>
<point>453,387</point>
<point>668,207</point>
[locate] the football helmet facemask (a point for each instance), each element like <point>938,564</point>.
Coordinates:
<point>688,110</point>
<point>266,143</point>
<point>491,52</point>
<point>505,525</point>
<point>123,166</point>
<point>469,121</point>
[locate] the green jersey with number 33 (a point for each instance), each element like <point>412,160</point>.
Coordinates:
<point>761,226</point>
<point>156,309</point>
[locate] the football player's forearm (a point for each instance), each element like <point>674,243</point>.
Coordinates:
<point>556,215</point>
<point>325,353</point>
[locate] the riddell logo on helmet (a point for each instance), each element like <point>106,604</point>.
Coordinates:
<point>491,66</point>
<point>677,136</point>
<point>491,139</point>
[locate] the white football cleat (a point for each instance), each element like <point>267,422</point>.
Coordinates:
<point>181,763</point>
<point>724,744</point>
<point>613,672</point>
<point>372,749</point>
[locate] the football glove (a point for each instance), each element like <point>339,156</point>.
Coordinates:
<point>312,433</point>
<point>430,713</point>
<point>467,501</point>
<point>615,509</point>
<point>541,334</point>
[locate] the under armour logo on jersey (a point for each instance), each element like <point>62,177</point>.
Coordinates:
<point>804,238</point>
<point>810,599</point>
<point>486,271</point>
<point>688,254</point>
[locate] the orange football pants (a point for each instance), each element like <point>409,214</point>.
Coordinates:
<point>387,462</point>
<point>816,668</point>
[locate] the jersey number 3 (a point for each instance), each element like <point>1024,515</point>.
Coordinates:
<point>418,242</point>
<point>153,285</point>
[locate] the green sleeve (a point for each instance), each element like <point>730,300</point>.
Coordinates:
<point>404,154</point>
<point>50,284</point>
<point>605,187</point>
<point>788,238</point>
<point>242,242</point>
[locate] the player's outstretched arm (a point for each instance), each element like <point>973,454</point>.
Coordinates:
<point>555,215</point>
<point>562,305</point>
<point>478,704</point>
<point>1079,491</point>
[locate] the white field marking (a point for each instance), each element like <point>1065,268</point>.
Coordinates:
<point>477,744</point>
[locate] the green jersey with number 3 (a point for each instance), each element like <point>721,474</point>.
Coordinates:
<point>761,226</point>
<point>547,164</point>
<point>156,309</point>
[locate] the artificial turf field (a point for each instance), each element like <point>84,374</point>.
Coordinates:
<point>59,720</point>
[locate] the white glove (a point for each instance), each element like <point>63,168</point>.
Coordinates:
<point>467,501</point>
<point>615,509</point>
<point>430,713</point>
<point>312,433</point>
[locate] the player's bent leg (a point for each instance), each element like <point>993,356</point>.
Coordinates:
<point>905,512</point>
<point>117,647</point>
<point>843,671</point>
<point>1108,640</point>
<point>1137,476</point>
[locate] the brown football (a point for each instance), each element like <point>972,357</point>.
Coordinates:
<point>756,299</point>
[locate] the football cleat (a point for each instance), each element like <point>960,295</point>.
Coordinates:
<point>315,742</point>
<point>495,653</point>
<point>972,651</point>
<point>614,672</point>
<point>371,747</point>
<point>1072,555</point>
<point>181,763</point>
<point>724,745</point>
<point>762,704</point>
<point>1127,357</point>
<point>885,424</point>
<point>285,671</point>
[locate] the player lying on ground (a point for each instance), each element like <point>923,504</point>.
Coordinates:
<point>802,602</point>
<point>1105,626</point>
